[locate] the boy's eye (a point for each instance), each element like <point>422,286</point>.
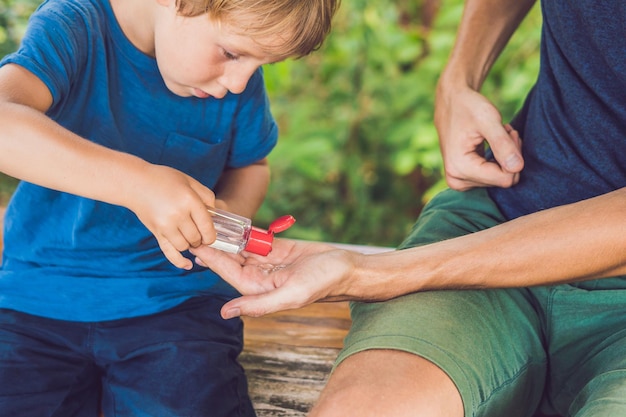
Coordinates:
<point>229,56</point>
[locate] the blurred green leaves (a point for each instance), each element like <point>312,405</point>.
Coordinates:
<point>13,17</point>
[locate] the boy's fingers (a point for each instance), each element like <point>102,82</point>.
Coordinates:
<point>204,225</point>
<point>173,255</point>
<point>200,216</point>
<point>191,233</point>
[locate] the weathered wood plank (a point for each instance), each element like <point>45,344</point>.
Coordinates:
<point>286,381</point>
<point>321,324</point>
<point>288,356</point>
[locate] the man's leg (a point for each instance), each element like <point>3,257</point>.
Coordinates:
<point>442,353</point>
<point>586,334</point>
<point>604,396</point>
<point>388,383</point>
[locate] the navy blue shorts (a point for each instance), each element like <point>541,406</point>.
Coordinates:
<point>179,363</point>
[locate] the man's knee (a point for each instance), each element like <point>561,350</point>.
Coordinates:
<point>388,383</point>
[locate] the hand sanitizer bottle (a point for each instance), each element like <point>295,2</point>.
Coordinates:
<point>236,233</point>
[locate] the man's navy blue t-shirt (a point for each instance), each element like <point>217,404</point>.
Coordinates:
<point>573,124</point>
<point>73,258</point>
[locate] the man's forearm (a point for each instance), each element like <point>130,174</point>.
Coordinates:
<point>486,27</point>
<point>576,242</point>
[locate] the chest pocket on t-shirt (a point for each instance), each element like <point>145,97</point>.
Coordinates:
<point>199,159</point>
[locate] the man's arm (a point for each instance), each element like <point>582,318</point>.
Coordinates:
<point>463,117</point>
<point>485,29</point>
<point>576,242</point>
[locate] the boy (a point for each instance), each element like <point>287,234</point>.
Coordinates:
<point>122,118</point>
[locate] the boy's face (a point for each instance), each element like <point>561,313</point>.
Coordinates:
<point>200,57</point>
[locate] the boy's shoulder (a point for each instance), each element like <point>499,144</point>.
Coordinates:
<point>74,4</point>
<point>76,11</point>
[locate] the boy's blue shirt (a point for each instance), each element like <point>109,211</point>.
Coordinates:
<point>73,258</point>
<point>573,125</point>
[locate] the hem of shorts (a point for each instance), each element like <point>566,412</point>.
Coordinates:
<point>420,348</point>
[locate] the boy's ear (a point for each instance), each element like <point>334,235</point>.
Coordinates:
<point>166,2</point>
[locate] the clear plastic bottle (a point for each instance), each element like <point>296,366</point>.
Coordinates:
<point>235,233</point>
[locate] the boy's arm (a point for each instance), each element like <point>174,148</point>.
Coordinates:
<point>242,190</point>
<point>36,149</point>
<point>463,117</point>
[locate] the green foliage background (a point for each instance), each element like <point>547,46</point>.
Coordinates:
<point>358,154</point>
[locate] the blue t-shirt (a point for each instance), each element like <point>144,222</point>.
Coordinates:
<point>73,258</point>
<point>573,124</point>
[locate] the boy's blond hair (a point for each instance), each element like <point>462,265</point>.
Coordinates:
<point>301,24</point>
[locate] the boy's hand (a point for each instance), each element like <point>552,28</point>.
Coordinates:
<point>465,120</point>
<point>291,276</point>
<point>173,206</point>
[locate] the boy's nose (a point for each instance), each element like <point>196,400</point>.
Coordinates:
<point>236,81</point>
<point>236,85</point>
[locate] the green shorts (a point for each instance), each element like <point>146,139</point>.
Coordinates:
<point>560,349</point>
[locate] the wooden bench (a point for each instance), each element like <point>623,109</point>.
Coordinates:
<point>288,356</point>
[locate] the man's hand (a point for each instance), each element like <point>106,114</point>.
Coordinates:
<point>466,120</point>
<point>293,275</point>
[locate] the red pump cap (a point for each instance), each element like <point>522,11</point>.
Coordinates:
<point>260,241</point>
